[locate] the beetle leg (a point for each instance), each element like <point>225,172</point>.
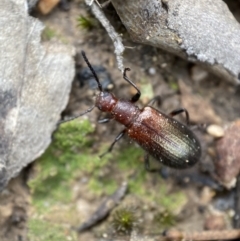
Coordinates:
<point>147,164</point>
<point>136,97</point>
<point>179,111</point>
<point>155,99</point>
<point>202,127</point>
<point>105,120</point>
<point>119,136</point>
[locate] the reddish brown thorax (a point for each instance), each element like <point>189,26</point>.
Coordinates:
<point>122,111</point>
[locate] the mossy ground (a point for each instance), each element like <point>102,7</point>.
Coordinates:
<point>70,157</point>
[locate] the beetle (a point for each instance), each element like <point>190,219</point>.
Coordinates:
<point>160,135</point>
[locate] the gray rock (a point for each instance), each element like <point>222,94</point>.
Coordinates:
<point>35,82</point>
<point>32,4</point>
<point>202,31</point>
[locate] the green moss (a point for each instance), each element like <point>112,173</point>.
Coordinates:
<point>172,201</point>
<point>124,219</point>
<point>48,33</point>
<point>70,156</point>
<point>107,185</point>
<point>72,135</point>
<point>138,185</point>
<point>173,84</point>
<point>129,157</point>
<point>146,90</point>
<point>42,230</point>
<point>165,219</point>
<point>87,22</point>
<point>57,167</point>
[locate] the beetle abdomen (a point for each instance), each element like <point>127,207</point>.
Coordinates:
<point>166,139</point>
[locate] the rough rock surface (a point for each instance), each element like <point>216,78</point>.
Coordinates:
<point>203,31</point>
<point>35,82</point>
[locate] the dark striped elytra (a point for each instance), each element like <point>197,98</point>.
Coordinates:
<point>160,135</point>
<point>164,138</point>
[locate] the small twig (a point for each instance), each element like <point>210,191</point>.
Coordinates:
<point>117,40</point>
<point>103,5</point>
<point>204,235</point>
<point>105,208</point>
<point>237,204</point>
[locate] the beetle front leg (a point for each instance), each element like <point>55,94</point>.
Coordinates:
<point>105,120</point>
<point>119,136</point>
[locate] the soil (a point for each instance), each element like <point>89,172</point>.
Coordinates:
<point>162,74</point>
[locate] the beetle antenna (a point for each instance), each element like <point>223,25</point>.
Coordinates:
<point>92,70</point>
<point>75,117</point>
